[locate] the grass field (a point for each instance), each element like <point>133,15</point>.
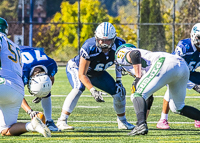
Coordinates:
<point>96,122</point>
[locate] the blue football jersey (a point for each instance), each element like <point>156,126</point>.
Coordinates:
<point>32,57</point>
<point>98,60</point>
<point>186,50</point>
<point>189,52</point>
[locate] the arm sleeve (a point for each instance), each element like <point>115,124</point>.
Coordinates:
<point>135,56</point>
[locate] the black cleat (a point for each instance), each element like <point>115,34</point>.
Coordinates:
<point>139,130</point>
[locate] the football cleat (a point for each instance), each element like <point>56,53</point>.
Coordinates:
<point>40,127</point>
<point>52,126</point>
<point>62,125</point>
<point>124,125</point>
<point>163,124</point>
<point>139,130</point>
<point>197,124</point>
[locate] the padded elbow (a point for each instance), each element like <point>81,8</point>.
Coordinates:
<point>135,56</point>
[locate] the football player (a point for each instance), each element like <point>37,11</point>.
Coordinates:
<point>89,70</point>
<point>38,75</point>
<point>189,49</point>
<point>162,69</point>
<point>12,89</point>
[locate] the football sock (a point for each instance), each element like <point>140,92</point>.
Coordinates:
<point>164,116</point>
<point>121,118</point>
<point>190,112</point>
<point>71,100</point>
<point>140,109</point>
<point>63,116</point>
<point>46,105</point>
<point>149,102</point>
<point>29,127</point>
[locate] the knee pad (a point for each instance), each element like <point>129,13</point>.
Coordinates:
<point>119,102</point>
<point>174,108</point>
<point>133,95</point>
<point>149,102</point>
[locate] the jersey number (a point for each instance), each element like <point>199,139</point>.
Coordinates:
<point>28,58</point>
<point>120,54</point>
<point>192,66</point>
<point>17,57</point>
<point>100,67</point>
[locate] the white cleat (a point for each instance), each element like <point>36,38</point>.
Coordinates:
<point>124,125</point>
<point>40,127</point>
<point>62,125</point>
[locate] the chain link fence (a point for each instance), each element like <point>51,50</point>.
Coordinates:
<point>176,22</point>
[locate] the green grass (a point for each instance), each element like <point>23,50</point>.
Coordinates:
<point>96,122</point>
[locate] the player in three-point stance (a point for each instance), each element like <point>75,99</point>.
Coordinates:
<point>162,69</point>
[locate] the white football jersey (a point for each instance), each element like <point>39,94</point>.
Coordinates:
<point>147,58</point>
<point>121,60</point>
<point>11,65</point>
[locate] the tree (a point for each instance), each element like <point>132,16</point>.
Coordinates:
<point>8,9</point>
<point>61,40</point>
<point>144,29</point>
<point>189,13</point>
<point>156,32</point>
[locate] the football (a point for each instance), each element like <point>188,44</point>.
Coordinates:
<point>42,117</point>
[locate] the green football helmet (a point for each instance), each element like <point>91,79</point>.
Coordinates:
<point>3,26</point>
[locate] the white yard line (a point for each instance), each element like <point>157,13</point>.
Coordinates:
<point>110,96</point>
<point>111,122</point>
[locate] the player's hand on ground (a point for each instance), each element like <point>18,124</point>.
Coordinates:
<point>97,95</point>
<point>32,113</point>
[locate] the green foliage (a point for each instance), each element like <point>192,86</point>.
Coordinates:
<point>61,40</point>
<point>152,36</point>
<point>156,32</point>
<point>189,13</point>
<point>167,18</point>
<point>144,29</point>
<point>64,37</point>
<point>127,32</point>
<point>8,9</point>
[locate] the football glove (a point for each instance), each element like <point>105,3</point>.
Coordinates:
<point>32,113</point>
<point>120,88</point>
<point>197,88</point>
<point>97,95</point>
<point>134,84</point>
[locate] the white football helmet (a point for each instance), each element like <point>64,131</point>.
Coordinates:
<point>40,85</point>
<point>195,35</point>
<point>105,31</point>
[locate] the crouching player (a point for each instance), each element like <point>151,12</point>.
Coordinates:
<point>12,89</point>
<point>38,75</point>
